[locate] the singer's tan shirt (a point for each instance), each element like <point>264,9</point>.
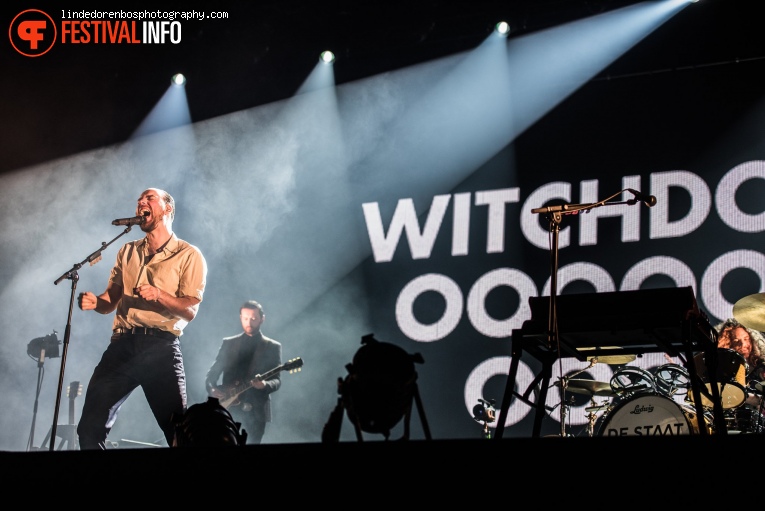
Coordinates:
<point>179,269</point>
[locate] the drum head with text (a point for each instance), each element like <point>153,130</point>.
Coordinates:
<point>647,415</point>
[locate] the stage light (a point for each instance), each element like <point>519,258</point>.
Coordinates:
<point>379,389</point>
<point>178,79</point>
<point>208,424</point>
<point>41,347</point>
<point>502,28</point>
<point>327,57</point>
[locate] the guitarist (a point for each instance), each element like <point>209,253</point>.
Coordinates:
<point>240,359</point>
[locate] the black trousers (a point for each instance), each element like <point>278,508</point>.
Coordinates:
<point>152,362</point>
<point>251,422</point>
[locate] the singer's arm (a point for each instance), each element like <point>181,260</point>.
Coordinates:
<point>104,303</point>
<point>185,307</point>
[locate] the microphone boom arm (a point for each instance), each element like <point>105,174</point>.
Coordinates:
<point>570,209</point>
<point>92,258</point>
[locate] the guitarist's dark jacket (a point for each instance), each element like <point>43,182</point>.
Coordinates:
<point>241,358</point>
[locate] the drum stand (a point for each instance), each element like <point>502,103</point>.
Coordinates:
<point>592,415</point>
<point>564,384</point>
<point>759,389</point>
<point>592,418</point>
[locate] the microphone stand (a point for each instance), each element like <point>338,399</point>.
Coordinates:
<point>555,216</point>
<point>72,275</point>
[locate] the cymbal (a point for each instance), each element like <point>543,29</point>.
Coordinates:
<point>589,387</point>
<point>617,359</point>
<point>750,311</point>
<point>614,360</point>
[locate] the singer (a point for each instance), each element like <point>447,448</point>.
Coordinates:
<point>155,287</point>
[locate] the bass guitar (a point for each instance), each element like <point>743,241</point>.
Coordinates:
<point>232,392</point>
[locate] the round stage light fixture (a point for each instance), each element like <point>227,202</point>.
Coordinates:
<point>327,57</point>
<point>380,386</point>
<point>208,424</point>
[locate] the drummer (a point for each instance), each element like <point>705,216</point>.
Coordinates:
<point>751,345</point>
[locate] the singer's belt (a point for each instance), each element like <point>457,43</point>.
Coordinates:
<point>140,330</point>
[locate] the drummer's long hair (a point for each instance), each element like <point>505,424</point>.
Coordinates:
<point>756,359</point>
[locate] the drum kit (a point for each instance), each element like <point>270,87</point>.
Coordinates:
<point>641,403</point>
<point>647,403</point>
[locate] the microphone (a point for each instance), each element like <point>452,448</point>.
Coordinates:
<point>648,200</point>
<point>131,221</point>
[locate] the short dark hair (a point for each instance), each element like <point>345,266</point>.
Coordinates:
<point>252,305</point>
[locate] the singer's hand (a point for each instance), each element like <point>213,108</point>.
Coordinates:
<point>87,301</point>
<point>148,292</point>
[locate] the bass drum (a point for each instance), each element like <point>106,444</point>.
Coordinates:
<point>652,415</point>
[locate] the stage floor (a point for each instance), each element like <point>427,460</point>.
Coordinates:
<point>644,470</point>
